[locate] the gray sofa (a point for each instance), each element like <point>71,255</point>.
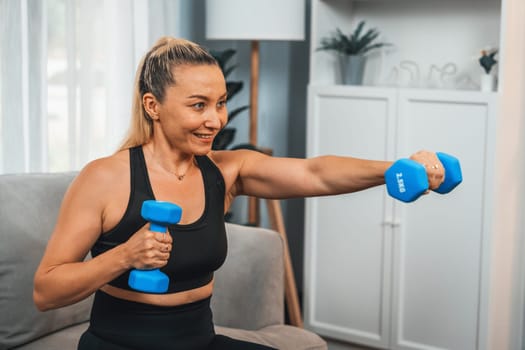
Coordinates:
<point>247,302</point>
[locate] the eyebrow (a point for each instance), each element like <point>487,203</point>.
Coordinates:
<point>206,98</point>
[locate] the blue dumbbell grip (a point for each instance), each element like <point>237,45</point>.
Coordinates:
<point>159,214</point>
<point>157,227</point>
<point>406,179</point>
<point>150,281</point>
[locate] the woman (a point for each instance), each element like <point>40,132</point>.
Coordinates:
<point>179,107</point>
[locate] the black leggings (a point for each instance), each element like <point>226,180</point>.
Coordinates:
<point>118,324</point>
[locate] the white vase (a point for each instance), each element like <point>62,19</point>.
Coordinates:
<point>487,83</point>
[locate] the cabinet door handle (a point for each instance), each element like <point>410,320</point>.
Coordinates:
<point>391,223</point>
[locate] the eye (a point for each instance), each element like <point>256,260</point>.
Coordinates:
<point>221,104</point>
<point>198,105</point>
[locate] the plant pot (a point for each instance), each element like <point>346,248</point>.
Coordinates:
<point>487,82</point>
<point>352,69</point>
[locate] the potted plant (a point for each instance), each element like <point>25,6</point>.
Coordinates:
<point>351,50</point>
<point>487,61</point>
<point>225,137</point>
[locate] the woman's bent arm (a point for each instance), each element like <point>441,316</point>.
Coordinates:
<point>63,277</point>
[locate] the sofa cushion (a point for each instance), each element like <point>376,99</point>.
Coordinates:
<point>281,337</point>
<point>249,289</point>
<point>278,336</point>
<point>64,339</point>
<point>27,215</point>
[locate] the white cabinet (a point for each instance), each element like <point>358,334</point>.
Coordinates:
<point>347,286</point>
<point>381,272</point>
<point>388,274</point>
<point>440,265</point>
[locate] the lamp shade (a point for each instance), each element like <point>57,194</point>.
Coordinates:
<point>255,19</point>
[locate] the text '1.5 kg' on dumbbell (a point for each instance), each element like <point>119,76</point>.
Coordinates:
<point>406,180</point>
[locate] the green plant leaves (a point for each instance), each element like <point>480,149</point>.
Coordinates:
<point>487,60</point>
<point>355,43</point>
<point>222,58</point>
<point>233,87</point>
<point>225,137</point>
<point>233,113</point>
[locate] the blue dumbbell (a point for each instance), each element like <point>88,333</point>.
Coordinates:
<point>160,215</point>
<point>406,179</point>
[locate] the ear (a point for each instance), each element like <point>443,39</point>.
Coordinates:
<point>151,105</point>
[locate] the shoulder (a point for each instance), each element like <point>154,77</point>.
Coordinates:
<point>232,164</point>
<point>107,168</point>
<point>234,157</point>
<point>103,174</point>
<point>233,160</point>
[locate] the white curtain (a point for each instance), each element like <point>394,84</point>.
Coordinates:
<point>66,77</point>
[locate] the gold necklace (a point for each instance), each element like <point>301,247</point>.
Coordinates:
<point>179,177</point>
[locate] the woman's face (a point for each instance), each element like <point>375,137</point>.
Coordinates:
<point>194,109</point>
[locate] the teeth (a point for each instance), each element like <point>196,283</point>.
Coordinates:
<point>204,136</point>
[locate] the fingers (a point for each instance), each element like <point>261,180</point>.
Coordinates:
<point>163,237</point>
<point>164,248</point>
<point>164,241</point>
<point>433,166</point>
<point>162,245</point>
<point>156,254</point>
<point>436,176</point>
<point>153,260</point>
<point>148,249</point>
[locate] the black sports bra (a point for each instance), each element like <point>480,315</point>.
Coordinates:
<point>198,248</point>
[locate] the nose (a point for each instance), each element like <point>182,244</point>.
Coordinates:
<point>216,119</point>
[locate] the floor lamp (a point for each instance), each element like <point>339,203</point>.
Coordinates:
<point>255,20</point>
<point>260,20</point>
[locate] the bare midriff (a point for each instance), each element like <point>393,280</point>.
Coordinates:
<point>172,299</point>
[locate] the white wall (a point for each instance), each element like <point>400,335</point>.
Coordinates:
<point>507,307</point>
<point>426,33</point>
<point>432,33</point>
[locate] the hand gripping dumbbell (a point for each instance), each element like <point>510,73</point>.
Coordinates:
<point>160,215</point>
<point>406,179</point>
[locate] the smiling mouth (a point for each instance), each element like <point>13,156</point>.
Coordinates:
<point>204,136</point>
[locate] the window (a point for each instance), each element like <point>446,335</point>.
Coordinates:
<point>66,77</point>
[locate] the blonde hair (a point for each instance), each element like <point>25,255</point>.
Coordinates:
<point>154,75</point>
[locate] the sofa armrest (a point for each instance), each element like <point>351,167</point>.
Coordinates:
<point>28,211</point>
<point>249,287</point>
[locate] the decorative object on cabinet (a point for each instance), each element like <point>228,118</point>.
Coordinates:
<point>249,20</point>
<point>441,77</point>
<point>351,50</point>
<point>409,74</point>
<point>487,61</point>
<point>412,68</point>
